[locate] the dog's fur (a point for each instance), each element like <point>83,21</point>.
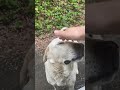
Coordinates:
<point>61,62</point>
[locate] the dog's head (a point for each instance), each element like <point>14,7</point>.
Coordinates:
<point>59,51</point>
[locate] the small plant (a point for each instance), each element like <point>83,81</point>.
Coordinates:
<point>55,14</point>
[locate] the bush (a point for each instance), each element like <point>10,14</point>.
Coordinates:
<point>55,14</point>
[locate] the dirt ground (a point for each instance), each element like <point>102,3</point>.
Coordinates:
<point>42,42</point>
<point>14,45</point>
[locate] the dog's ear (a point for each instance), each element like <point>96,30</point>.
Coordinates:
<point>45,55</point>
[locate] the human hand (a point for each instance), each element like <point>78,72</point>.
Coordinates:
<point>72,33</point>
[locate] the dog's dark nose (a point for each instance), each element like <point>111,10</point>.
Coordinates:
<point>67,62</point>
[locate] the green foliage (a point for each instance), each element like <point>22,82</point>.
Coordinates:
<point>12,12</point>
<point>55,14</point>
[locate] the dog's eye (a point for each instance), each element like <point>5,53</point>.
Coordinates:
<point>67,62</point>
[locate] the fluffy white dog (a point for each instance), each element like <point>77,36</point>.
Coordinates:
<point>61,62</point>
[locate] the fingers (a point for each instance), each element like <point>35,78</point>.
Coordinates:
<point>72,33</point>
<point>61,34</point>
